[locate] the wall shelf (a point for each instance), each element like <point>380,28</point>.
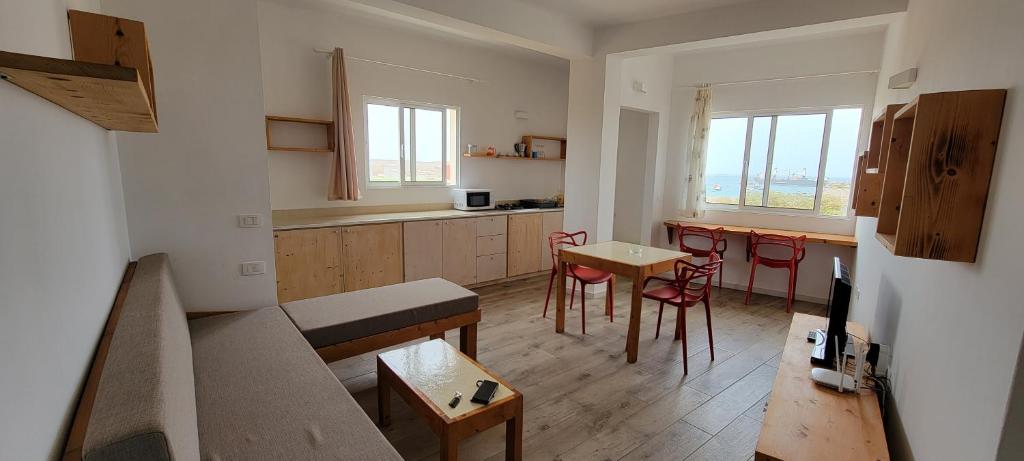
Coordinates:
<point>112,97</point>
<point>531,142</point>
<point>937,172</point>
<point>328,125</point>
<point>869,183</point>
<point>495,157</point>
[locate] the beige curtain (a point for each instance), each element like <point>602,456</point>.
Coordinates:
<point>700,124</point>
<point>344,184</point>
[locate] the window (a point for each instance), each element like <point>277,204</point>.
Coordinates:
<point>793,162</point>
<point>411,143</point>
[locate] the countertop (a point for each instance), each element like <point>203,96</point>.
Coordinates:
<point>381,218</point>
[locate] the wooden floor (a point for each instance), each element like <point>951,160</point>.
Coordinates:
<point>583,401</point>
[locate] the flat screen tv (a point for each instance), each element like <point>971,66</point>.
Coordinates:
<point>824,352</point>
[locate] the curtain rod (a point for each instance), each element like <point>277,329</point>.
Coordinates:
<point>779,79</point>
<point>416,69</point>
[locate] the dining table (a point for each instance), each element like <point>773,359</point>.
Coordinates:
<point>636,262</point>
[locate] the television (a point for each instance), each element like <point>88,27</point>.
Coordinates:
<point>825,341</point>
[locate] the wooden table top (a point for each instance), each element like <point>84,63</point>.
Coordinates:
<point>806,421</point>
<point>436,370</point>
<point>627,253</point>
<point>812,237</point>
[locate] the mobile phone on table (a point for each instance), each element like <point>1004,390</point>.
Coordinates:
<point>485,390</point>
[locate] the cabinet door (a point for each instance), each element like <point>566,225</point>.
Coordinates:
<point>308,263</point>
<point>491,225</point>
<point>524,235</point>
<point>422,249</point>
<point>372,255</point>
<point>490,267</point>
<point>459,259</point>
<point>491,245</point>
<point>552,223</point>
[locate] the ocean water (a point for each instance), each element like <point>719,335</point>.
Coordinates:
<point>730,186</point>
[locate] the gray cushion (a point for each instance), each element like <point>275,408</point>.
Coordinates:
<point>343,317</point>
<point>264,394</point>
<point>145,405</point>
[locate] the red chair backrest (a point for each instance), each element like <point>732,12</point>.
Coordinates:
<point>712,240</point>
<point>558,240</point>
<point>791,247</point>
<point>687,273</point>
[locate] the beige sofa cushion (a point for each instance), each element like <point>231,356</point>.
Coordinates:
<point>264,394</point>
<point>145,405</point>
<point>343,317</point>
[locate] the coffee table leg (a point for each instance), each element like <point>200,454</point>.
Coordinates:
<point>383,396</point>
<point>467,340</point>
<point>514,435</point>
<point>449,447</point>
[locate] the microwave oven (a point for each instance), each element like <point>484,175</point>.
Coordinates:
<point>473,199</point>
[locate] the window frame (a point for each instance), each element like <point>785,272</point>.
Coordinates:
<point>815,212</point>
<point>445,182</point>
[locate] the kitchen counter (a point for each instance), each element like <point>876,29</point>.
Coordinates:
<point>380,218</point>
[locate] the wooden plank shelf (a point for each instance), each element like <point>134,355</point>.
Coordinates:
<point>327,124</point>
<point>937,173</point>
<point>509,157</point>
<point>112,97</point>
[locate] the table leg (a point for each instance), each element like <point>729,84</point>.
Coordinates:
<point>467,340</point>
<point>633,334</point>
<point>383,396</point>
<point>514,435</point>
<point>609,298</point>
<point>560,299</point>
<point>449,447</point>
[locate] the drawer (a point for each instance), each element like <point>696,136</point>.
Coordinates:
<point>491,225</point>
<point>491,267</point>
<point>491,245</point>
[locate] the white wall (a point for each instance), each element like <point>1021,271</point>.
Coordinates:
<point>631,162</point>
<point>64,242</point>
<point>955,327</point>
<point>847,52</point>
<point>185,186</point>
<point>297,82</point>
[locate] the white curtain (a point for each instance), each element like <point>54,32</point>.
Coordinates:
<point>700,124</point>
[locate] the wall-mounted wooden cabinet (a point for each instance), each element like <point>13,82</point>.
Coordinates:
<point>937,174</point>
<point>869,181</point>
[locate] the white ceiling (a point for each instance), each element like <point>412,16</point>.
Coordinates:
<point>612,12</point>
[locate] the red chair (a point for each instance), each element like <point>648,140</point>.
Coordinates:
<point>792,253</point>
<point>681,294</point>
<point>713,239</point>
<point>582,274</point>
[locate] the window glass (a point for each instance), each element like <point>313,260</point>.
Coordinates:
<point>383,142</point>
<point>429,145</point>
<point>842,152</point>
<point>760,136</point>
<point>726,145</point>
<point>796,155</point>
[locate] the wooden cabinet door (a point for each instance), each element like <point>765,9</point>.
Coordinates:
<point>491,225</point>
<point>372,255</point>
<point>490,267</point>
<point>491,245</point>
<point>524,235</point>
<point>459,247</point>
<point>552,223</point>
<point>422,242</point>
<point>308,263</point>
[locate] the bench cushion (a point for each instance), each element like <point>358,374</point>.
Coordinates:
<point>145,406</point>
<point>343,317</point>
<point>263,393</point>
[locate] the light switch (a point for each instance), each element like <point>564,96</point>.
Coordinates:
<point>250,220</point>
<point>254,268</point>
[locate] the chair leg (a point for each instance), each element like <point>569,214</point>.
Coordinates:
<point>661,307</point>
<point>750,285</point>
<point>609,300</point>
<point>721,271</point>
<point>678,320</point>
<point>583,305</point>
<point>791,290</point>
<point>572,294</point>
<point>711,339</point>
<point>551,282</point>
<point>682,333</point>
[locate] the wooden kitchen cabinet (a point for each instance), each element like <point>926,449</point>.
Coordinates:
<point>490,267</point>
<point>458,265</point>
<point>524,243</point>
<point>552,222</point>
<point>422,249</point>
<point>308,263</point>
<point>372,255</point>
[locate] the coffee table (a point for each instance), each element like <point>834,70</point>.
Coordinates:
<point>427,375</point>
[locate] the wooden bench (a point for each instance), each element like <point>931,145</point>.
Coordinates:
<point>348,324</point>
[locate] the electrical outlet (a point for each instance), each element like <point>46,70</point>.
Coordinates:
<point>884,359</point>
<point>250,220</point>
<point>254,268</point>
